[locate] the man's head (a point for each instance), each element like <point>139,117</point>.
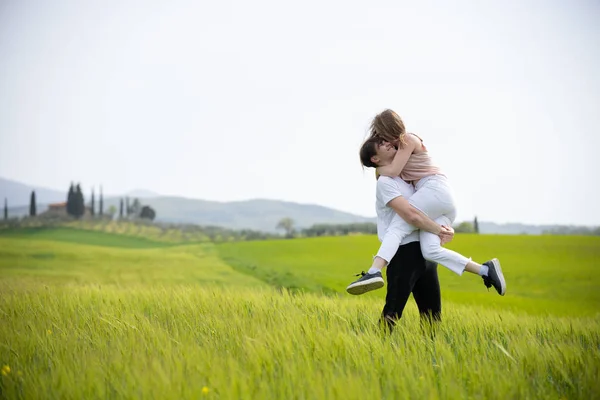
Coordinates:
<point>376,152</point>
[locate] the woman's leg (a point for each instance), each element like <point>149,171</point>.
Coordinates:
<point>372,280</point>
<point>433,250</point>
<point>434,198</point>
<point>490,271</point>
<point>396,232</point>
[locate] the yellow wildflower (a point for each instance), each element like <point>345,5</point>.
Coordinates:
<point>5,370</point>
<point>49,332</point>
<point>205,390</point>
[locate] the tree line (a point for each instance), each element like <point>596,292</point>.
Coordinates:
<point>76,207</point>
<point>366,228</point>
<point>289,230</point>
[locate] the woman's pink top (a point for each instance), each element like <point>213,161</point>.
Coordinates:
<point>419,165</point>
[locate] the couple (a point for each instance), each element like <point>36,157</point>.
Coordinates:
<point>415,209</point>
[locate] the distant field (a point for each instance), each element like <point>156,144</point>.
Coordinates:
<point>58,262</point>
<point>545,274</point>
<point>83,236</point>
<point>98,315</point>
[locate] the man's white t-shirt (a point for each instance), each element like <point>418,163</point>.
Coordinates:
<point>388,189</point>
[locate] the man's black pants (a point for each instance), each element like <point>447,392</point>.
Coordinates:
<point>408,272</point>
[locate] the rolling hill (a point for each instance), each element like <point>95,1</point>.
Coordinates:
<point>18,193</point>
<point>255,214</point>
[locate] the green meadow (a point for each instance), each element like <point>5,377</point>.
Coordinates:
<point>554,275</point>
<point>124,314</point>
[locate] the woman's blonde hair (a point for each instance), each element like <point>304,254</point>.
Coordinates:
<point>388,125</point>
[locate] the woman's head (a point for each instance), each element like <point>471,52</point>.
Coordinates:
<point>376,152</point>
<point>388,126</point>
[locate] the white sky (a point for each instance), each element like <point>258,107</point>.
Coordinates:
<point>232,100</point>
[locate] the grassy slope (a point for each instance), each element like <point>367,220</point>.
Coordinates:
<point>57,262</point>
<point>83,236</point>
<point>545,274</point>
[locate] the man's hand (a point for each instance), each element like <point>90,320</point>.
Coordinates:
<point>446,235</point>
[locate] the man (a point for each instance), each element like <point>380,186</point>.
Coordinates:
<point>408,272</point>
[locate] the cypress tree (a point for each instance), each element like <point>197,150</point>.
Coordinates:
<point>93,205</point>
<point>476,225</point>
<point>127,208</point>
<point>5,209</point>
<point>136,207</point>
<point>32,207</point>
<point>71,200</point>
<point>101,210</point>
<point>79,202</point>
<point>121,210</point>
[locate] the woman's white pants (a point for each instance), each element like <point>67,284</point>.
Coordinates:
<point>434,198</point>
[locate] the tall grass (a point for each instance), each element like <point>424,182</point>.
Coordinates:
<point>105,320</point>
<point>191,342</point>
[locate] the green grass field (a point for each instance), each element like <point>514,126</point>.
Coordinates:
<point>545,274</point>
<point>97,315</point>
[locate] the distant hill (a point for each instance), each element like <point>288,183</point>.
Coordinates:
<point>18,193</point>
<point>141,194</point>
<point>520,229</point>
<point>262,215</point>
<point>513,228</point>
<point>258,214</point>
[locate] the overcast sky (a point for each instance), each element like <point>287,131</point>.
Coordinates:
<point>233,100</point>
